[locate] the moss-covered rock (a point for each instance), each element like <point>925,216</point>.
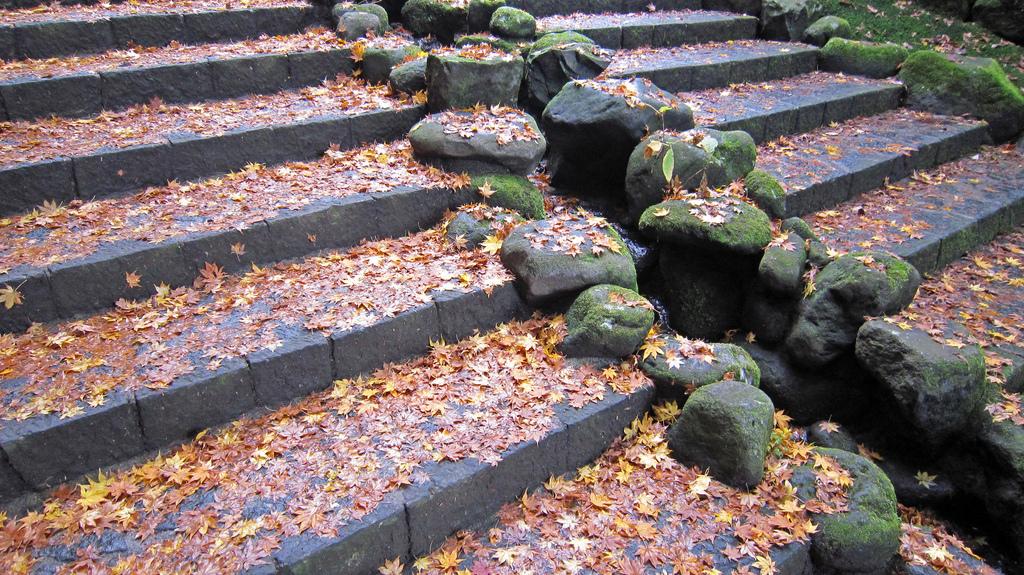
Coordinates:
<point>441,18</point>
<point>686,365</point>
<point>767,315</point>
<point>563,38</point>
<point>746,231</point>
<point>480,153</point>
<point>379,61</point>
<point>865,537</point>
<point>607,321</point>
<point>782,267</point>
<point>800,227</point>
<point>493,41</point>
<point>1004,17</point>
<point>512,192</point>
<point>787,19</point>
<point>508,22</point>
<point>725,427</point>
<point>554,64</point>
<point>355,25</point>
<point>375,9</point>
<point>825,28</point>
<point>766,192</point>
<point>457,82</point>
<point>479,13</point>
<point>862,58</point>
<point>975,86</point>
<point>469,227</point>
<point>410,77</point>
<point>718,157</point>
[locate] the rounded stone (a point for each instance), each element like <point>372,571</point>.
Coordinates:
<point>455,81</point>
<point>607,321</point>
<point>511,192</point>
<point>782,267</point>
<point>355,25</point>
<point>745,231</point>
<point>482,152</point>
<point>438,18</point>
<point>689,364</point>
<point>508,22</point>
<point>862,58</point>
<point>410,77</point>
<point>825,28</point>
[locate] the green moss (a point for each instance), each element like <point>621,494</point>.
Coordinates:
<point>862,58</point>
<point>746,232</point>
<point>434,17</point>
<point>559,38</point>
<point>799,227</point>
<point>898,272</point>
<point>766,192</point>
<point>515,193</point>
<point>480,12</point>
<point>825,28</point>
<point>607,321</point>
<point>509,22</point>
<point>499,43</point>
<point>375,9</point>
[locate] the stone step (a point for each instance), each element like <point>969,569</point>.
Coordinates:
<point>63,159</point>
<point>84,85</point>
<point>653,29</point>
<point>543,8</point>
<point>363,472</point>
<point>57,30</point>
<point>769,110</point>
<point>836,163</point>
<point>89,393</point>
<point>65,261</point>
<point>714,65</point>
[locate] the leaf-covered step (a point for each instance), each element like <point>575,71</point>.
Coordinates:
<point>768,110</point>
<point>84,256</point>
<point>714,64</point>
<point>654,29</point>
<point>835,163</point>
<point>935,216</point>
<point>84,85</point>
<point>56,30</point>
<point>83,394</point>
<point>63,159</point>
<point>541,8</point>
<point>355,475</point>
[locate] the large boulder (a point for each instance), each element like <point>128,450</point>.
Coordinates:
<point>695,156</point>
<point>833,435</point>
<point>555,257</point>
<point>847,291</point>
<point>440,18</point>
<point>787,19</point>
<point>479,13</point>
<point>355,25</point>
<point>725,427</point>
<point>464,78</point>
<point>550,68</point>
<point>382,56</point>
<point>866,536</point>
<point>410,77</point>
<point>1004,17</point>
<point>825,28</point>
<point>684,365</point>
<point>722,224</point>
<point>766,192</point>
<point>498,140</point>
<point>975,86</point>
<point>508,22</point>
<point>473,224</point>
<point>376,9</point>
<point>782,266</point>
<point>704,293</point>
<point>862,58</point>
<point>511,192</point>
<point>607,321</point>
<point>560,38</point>
<point>593,126</point>
<point>938,389</point>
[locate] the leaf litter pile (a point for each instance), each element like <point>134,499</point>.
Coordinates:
<point>65,367</point>
<point>225,502</point>
<point>626,89</point>
<point>173,53</point>
<point>574,232</point>
<point>44,139</point>
<point>612,19</point>
<point>506,124</point>
<point>53,234</point>
<point>481,52</point>
<point>625,61</point>
<point>87,12</point>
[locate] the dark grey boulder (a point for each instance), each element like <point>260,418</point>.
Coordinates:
<point>410,77</point>
<point>479,13</point>
<point>686,365</point>
<point>379,61</point>
<point>704,293</point>
<point>1004,17</point>
<point>787,19</point>
<point>481,153</point>
<point>782,266</point>
<point>355,25</point>
<point>607,321</point>
<point>832,435</point>
<point>455,81</point>
<point>549,69</point>
<point>438,18</point>
<point>825,28</point>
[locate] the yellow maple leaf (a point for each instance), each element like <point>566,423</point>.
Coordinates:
<point>10,296</point>
<point>491,245</point>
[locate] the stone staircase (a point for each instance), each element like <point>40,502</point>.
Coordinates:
<point>213,230</point>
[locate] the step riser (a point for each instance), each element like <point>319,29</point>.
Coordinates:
<point>48,450</point>
<point>686,78</point>
<point>873,173</point>
<point>541,8</point>
<point>786,121</point>
<point>58,38</point>
<point>96,283</point>
<point>461,495</point>
<point>185,157</point>
<point>88,93</point>
<point>667,35</point>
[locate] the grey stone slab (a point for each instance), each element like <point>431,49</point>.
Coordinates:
<point>73,95</point>
<point>781,123</point>
<point>404,210</point>
<point>809,117</point>
<point>8,44</point>
<point>48,450</point>
<point>197,156</point>
<point>449,502</point>
<point>218,247</point>
<point>11,483</point>
<point>171,83</point>
<point>148,29</point>
<point>385,125</point>
<point>592,428</point>
<point>56,38</point>
<point>462,314</point>
<point>195,402</point>
<point>301,366</point>
<point>220,26</point>
<point>109,170</point>
<point>313,67</point>
<point>363,350</point>
<point>642,5</point>
<point>249,75</point>
<point>607,37</point>
<point>309,139</point>
<point>818,196</point>
<point>329,224</point>
<point>25,186</point>
<point>154,264</point>
<point>37,303</point>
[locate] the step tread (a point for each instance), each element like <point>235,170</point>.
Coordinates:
<point>281,487</point>
<point>56,12</point>
<point>29,141</point>
<point>631,61</point>
<point>658,28</point>
<point>837,162</point>
<point>313,39</point>
<point>580,21</point>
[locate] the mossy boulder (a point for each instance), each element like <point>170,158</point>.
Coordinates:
<point>704,293</point>
<point>469,228</point>
<point>725,427</point>
<point>563,38</point>
<point>865,537</point>
<point>479,13</point>
<point>546,273</point>
<point>492,41</point>
<point>354,25</point>
<point>693,156</point>
<point>481,153</point>
<point>766,192</point>
<point>550,68</point>
<point>862,58</point>
<point>848,290</point>
<point>607,321</point>
<point>745,231</point>
<point>410,77</point>
<point>508,22</point>
<point>594,125</point>
<point>686,365</point>
<point>1004,17</point>
<point>375,9</point>
<point>512,192</point>
<point>825,28</point>
<point>800,227</point>
<point>782,267</point>
<point>457,82</point>
<point>787,19</point>
<point>379,61</point>
<point>441,18</point>
<point>937,389</point>
<point>975,86</point>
